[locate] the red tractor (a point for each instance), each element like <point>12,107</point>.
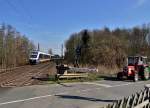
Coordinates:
<point>136,68</point>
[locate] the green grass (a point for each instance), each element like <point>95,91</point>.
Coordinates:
<point>91,77</point>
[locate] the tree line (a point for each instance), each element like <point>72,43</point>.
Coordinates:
<point>108,47</point>
<point>14,47</point>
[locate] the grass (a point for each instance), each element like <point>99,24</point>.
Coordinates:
<point>91,77</point>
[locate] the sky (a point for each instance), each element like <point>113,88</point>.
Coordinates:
<point>51,22</point>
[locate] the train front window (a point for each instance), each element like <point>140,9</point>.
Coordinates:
<point>41,56</point>
<point>33,56</point>
<point>34,53</point>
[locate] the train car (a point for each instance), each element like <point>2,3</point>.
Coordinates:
<point>39,57</point>
<point>55,57</point>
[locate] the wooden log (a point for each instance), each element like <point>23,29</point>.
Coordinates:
<point>62,68</point>
<point>72,75</point>
<point>88,70</point>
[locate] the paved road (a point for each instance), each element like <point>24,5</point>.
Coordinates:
<point>75,95</point>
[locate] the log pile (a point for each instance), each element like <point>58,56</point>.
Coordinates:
<point>64,71</point>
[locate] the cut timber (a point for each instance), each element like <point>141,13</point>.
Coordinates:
<point>64,71</point>
<point>72,75</point>
<point>74,69</point>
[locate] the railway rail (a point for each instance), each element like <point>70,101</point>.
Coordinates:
<point>23,76</point>
<point>2,70</point>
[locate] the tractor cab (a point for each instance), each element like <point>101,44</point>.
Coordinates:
<point>137,60</point>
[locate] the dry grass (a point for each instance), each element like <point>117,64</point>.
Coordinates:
<point>107,71</point>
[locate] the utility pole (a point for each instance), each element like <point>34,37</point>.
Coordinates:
<point>62,50</point>
<point>38,47</point>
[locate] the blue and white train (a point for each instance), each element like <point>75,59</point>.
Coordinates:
<point>38,57</point>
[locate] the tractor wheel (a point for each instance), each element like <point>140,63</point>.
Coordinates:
<point>146,73</point>
<point>120,76</point>
<point>136,77</point>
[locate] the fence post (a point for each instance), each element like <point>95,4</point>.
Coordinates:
<point>121,103</point>
<point>139,99</point>
<point>147,88</point>
<point>128,101</point>
<point>134,100</point>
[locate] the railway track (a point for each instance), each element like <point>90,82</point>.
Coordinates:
<point>11,69</point>
<point>13,73</point>
<point>38,74</point>
<point>23,76</point>
<point>27,80</point>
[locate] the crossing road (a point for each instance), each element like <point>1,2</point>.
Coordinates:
<point>71,95</point>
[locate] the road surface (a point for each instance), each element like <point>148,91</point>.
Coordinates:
<point>76,95</point>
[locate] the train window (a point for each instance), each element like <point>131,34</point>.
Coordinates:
<point>55,56</point>
<point>40,56</point>
<point>43,56</point>
<point>34,53</point>
<point>33,56</point>
<point>46,56</point>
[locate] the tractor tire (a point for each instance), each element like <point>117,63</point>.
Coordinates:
<point>146,73</point>
<point>136,77</point>
<point>120,76</point>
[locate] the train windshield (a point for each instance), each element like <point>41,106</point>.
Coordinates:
<point>34,53</point>
<point>33,56</point>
